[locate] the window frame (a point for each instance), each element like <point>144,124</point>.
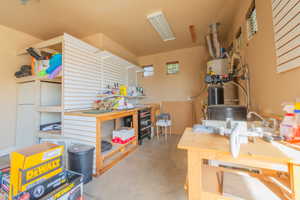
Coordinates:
<point>251,32</point>
<point>172,63</point>
<point>148,66</point>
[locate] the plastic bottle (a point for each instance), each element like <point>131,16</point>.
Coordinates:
<point>288,125</point>
<point>297,118</point>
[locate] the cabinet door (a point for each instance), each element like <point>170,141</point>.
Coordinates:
<point>26,126</point>
<point>50,94</point>
<point>26,93</point>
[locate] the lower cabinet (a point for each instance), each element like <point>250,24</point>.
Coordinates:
<point>26,126</point>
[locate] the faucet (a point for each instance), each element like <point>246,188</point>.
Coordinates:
<point>265,122</point>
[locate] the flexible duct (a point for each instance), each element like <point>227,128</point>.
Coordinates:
<point>216,42</point>
<point>210,47</point>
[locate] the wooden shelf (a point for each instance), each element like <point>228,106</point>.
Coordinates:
<point>115,149</point>
<point>57,109</point>
<point>53,132</point>
<point>114,96</point>
<point>49,135</point>
<point>44,45</point>
<point>35,78</point>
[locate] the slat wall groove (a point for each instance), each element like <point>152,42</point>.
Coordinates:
<point>86,72</point>
<point>82,74</point>
<point>292,9</point>
<point>113,70</point>
<point>286,22</point>
<point>281,8</point>
<point>282,44</point>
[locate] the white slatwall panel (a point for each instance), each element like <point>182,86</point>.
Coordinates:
<point>286,20</point>
<point>82,74</point>
<point>82,130</point>
<point>114,69</point>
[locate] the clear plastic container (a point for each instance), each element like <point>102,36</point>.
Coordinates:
<point>288,126</point>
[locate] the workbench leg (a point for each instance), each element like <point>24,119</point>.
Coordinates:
<point>99,159</point>
<point>135,126</point>
<point>194,175</point>
<point>294,172</point>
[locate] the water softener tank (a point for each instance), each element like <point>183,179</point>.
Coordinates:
<point>215,95</point>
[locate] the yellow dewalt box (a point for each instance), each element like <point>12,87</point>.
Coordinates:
<point>30,166</point>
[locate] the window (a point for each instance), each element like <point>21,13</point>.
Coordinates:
<point>286,28</point>
<point>172,67</point>
<point>252,21</point>
<point>148,70</point>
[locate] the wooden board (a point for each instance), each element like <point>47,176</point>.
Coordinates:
<point>246,187</point>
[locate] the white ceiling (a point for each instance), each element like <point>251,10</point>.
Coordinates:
<point>123,20</point>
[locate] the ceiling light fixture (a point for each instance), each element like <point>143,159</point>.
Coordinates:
<point>161,25</point>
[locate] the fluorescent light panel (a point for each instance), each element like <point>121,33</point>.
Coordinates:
<point>161,25</point>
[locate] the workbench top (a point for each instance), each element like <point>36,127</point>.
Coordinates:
<point>84,113</point>
<point>218,146</point>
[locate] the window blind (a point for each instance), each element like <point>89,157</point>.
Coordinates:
<point>286,25</point>
<point>252,23</point>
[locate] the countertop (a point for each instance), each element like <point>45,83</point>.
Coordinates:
<point>217,146</point>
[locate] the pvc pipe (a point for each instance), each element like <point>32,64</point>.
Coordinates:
<point>244,92</point>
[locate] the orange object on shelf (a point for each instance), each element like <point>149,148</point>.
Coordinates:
<point>32,66</point>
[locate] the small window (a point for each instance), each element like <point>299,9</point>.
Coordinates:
<point>148,70</point>
<point>172,67</point>
<point>252,21</point>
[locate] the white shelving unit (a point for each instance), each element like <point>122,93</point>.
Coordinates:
<point>86,70</point>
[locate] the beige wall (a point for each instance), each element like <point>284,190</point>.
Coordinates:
<point>178,87</point>
<point>10,41</point>
<point>268,88</point>
<point>103,42</point>
<point>175,91</point>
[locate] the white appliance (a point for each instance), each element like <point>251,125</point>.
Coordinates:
<point>217,66</point>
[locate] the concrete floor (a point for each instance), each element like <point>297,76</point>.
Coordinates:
<point>155,171</point>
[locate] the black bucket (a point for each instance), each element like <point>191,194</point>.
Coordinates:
<point>81,159</point>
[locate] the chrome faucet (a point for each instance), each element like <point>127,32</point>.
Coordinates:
<point>265,122</point>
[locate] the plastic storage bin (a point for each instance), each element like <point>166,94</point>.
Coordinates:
<point>81,158</point>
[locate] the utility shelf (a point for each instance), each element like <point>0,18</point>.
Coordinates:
<point>114,96</point>
<point>52,132</point>
<point>35,78</point>
<point>115,149</point>
<point>57,109</point>
<point>44,45</point>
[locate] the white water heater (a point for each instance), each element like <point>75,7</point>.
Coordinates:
<point>217,66</point>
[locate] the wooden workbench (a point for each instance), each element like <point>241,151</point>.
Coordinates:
<point>261,154</point>
<point>106,160</point>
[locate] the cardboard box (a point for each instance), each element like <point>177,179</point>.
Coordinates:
<point>33,165</point>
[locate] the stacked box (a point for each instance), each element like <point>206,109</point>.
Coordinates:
<point>123,135</point>
<point>34,165</point>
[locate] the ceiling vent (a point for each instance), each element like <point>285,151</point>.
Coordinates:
<point>161,25</point>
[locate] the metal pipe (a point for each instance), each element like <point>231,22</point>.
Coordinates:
<point>243,90</point>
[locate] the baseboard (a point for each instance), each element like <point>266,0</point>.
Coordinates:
<point>6,151</point>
